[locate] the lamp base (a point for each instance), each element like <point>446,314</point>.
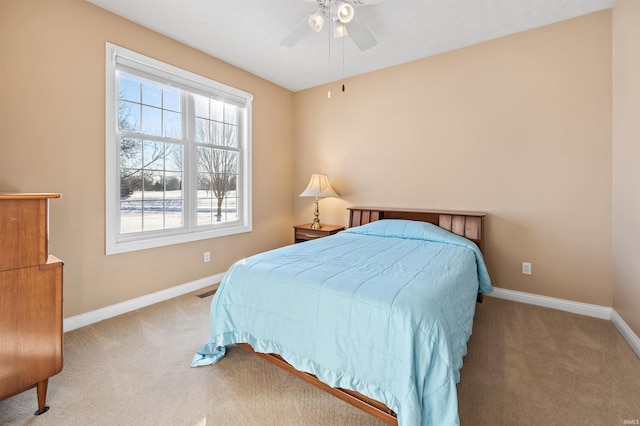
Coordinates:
<point>316,217</point>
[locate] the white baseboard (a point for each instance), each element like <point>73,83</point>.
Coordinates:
<point>626,332</point>
<point>587,309</point>
<point>91,317</point>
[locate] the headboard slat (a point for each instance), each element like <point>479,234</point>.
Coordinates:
<point>366,216</point>
<point>354,220</point>
<point>472,227</point>
<point>445,221</point>
<point>457,225</point>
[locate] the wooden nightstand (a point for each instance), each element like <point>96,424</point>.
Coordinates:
<point>305,233</point>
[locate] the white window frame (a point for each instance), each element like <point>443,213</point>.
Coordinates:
<point>169,74</point>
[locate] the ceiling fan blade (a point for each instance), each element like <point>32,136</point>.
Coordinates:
<point>360,34</point>
<point>296,34</point>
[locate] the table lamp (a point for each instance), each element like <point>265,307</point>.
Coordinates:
<point>319,188</point>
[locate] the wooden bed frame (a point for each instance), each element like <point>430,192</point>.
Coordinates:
<point>466,224</point>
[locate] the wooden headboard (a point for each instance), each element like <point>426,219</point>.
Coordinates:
<point>466,224</point>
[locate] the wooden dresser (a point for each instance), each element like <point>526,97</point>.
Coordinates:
<point>30,298</point>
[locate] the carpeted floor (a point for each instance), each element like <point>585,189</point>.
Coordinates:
<point>525,365</point>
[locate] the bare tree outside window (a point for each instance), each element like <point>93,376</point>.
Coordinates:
<point>150,162</point>
<point>216,135</point>
<point>132,166</point>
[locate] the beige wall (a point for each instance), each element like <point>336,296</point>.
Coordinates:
<point>519,127</point>
<point>626,162</point>
<point>52,137</point>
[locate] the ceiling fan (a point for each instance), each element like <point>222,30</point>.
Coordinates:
<point>341,17</point>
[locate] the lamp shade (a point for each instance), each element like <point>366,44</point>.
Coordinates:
<point>344,12</point>
<point>316,21</point>
<point>319,187</point>
<point>339,30</point>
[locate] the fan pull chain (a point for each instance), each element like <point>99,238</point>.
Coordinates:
<point>329,32</point>
<point>343,64</point>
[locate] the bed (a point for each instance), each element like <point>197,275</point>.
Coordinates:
<point>378,314</point>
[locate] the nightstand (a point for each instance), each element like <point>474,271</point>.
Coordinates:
<point>305,233</point>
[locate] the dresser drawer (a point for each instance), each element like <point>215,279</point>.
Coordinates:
<point>306,233</point>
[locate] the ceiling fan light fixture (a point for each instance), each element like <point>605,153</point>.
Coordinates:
<point>344,12</point>
<point>316,21</point>
<point>339,30</point>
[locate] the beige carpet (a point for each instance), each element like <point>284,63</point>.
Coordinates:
<point>526,366</point>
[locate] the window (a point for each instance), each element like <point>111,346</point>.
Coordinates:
<point>178,149</point>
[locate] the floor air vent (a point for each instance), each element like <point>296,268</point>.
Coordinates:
<point>207,294</point>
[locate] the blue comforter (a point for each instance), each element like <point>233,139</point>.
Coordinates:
<point>385,309</point>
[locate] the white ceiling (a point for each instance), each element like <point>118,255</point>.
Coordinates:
<point>246,33</point>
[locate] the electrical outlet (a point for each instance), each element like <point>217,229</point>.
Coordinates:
<point>207,256</point>
<point>526,268</point>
